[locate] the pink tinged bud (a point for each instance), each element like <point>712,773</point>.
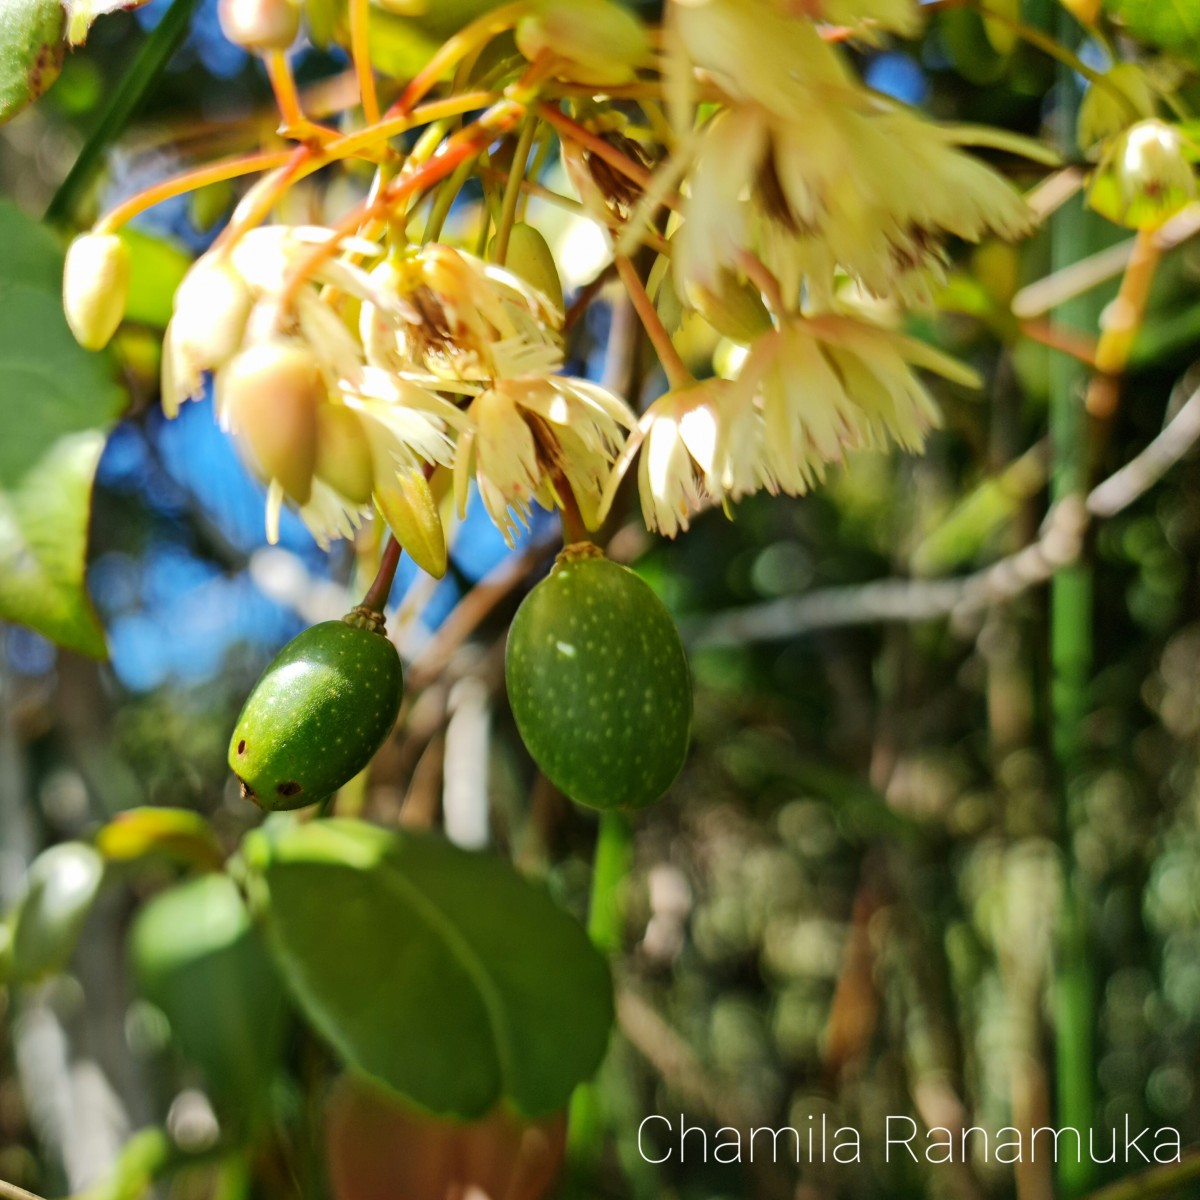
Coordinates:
<point>95,287</point>
<point>259,25</point>
<point>269,398</point>
<point>344,453</point>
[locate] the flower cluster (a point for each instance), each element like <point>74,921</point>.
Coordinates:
<point>351,364</point>
<point>381,365</point>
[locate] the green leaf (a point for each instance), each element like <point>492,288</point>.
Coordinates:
<point>442,974</point>
<point>156,268</point>
<point>63,882</point>
<point>63,401</point>
<point>1173,25</point>
<point>31,51</point>
<point>198,958</point>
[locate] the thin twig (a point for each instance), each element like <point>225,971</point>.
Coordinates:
<point>10,1191</point>
<point>471,611</point>
<point>1153,1182</point>
<point>1058,545</point>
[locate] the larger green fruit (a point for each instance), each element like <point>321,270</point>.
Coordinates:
<point>599,683</point>
<point>318,714</point>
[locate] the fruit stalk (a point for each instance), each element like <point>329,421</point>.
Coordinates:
<point>377,594</point>
<point>573,525</point>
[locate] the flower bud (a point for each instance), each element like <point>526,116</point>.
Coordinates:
<point>406,502</point>
<point>344,453</point>
<point>530,257</point>
<point>259,25</point>
<point>96,287</point>
<point>603,42</point>
<point>1144,178</point>
<point>733,308</point>
<point>268,396</point>
<point>212,306</point>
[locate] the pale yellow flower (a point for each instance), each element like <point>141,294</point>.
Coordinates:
<point>833,383</point>
<point>458,317</point>
<point>812,172</point>
<point>871,190</point>
<point>698,447</point>
<point>524,433</point>
<point>804,395</point>
<point>403,426</point>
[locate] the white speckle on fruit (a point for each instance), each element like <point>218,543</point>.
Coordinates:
<point>565,648</point>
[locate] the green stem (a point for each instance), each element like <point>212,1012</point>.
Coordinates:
<point>143,73</point>
<point>512,191</point>
<point>614,850</point>
<point>444,199</point>
<point>585,1118</point>
<point>540,156</point>
<point>1071,669</point>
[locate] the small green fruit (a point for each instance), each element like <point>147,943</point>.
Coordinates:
<point>318,714</point>
<point>599,683</point>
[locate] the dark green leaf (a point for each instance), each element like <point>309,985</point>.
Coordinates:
<point>67,401</point>
<point>63,882</point>
<point>442,974</point>
<point>198,957</point>
<point>31,51</point>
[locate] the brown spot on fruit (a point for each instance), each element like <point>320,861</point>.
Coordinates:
<point>313,720</point>
<point>247,790</point>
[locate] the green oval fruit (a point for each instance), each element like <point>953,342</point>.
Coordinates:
<point>599,683</point>
<point>318,714</point>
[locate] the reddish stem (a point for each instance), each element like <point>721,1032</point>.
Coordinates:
<point>377,594</point>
